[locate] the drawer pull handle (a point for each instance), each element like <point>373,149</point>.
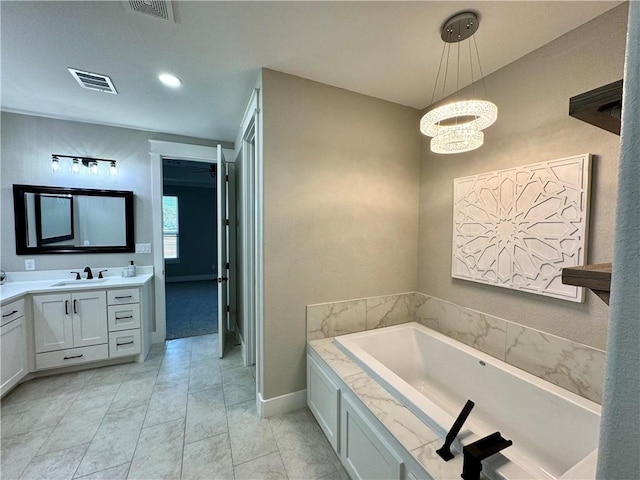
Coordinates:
<point>75,306</point>
<point>75,356</point>
<point>9,314</point>
<point>125,343</point>
<point>124,296</point>
<point>124,318</point>
<point>66,307</point>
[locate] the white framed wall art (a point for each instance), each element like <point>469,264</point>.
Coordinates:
<point>517,228</point>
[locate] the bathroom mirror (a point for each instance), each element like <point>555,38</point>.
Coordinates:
<point>72,220</point>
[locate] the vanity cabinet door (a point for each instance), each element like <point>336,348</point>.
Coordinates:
<point>14,353</point>
<point>89,318</point>
<point>323,399</point>
<point>52,320</point>
<point>364,453</point>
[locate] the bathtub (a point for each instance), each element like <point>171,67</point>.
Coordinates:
<point>554,431</point>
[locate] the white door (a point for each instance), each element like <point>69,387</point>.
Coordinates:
<point>223,235</point>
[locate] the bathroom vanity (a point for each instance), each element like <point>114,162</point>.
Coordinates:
<point>52,324</point>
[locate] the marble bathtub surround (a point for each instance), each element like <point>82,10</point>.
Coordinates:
<point>389,310</point>
<point>326,320</point>
<point>576,367</point>
<point>478,330</point>
<point>393,414</point>
<point>333,319</point>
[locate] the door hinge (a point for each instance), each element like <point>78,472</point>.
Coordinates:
<point>226,222</point>
<point>226,178</point>
<point>226,265</point>
<point>228,309</point>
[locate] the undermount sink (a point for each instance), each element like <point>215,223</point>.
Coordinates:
<point>79,282</point>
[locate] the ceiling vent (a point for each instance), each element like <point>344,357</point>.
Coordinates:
<point>93,81</point>
<point>156,8</point>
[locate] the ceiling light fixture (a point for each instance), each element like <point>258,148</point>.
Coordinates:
<point>170,80</point>
<point>457,127</point>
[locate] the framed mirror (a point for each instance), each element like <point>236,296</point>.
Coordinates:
<point>72,220</point>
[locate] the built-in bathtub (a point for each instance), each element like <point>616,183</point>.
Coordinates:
<point>552,429</point>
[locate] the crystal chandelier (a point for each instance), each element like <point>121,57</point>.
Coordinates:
<point>457,127</point>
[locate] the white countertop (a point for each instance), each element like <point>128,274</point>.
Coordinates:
<point>22,283</point>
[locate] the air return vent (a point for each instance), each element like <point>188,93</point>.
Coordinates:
<point>93,81</point>
<point>156,8</point>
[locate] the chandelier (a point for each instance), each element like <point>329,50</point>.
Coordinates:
<point>457,127</point>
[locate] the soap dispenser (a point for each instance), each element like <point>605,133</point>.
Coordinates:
<point>132,269</point>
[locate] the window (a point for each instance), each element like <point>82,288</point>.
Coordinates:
<point>170,227</point>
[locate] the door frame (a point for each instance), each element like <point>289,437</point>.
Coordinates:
<point>158,150</point>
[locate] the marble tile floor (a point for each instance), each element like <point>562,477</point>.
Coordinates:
<point>182,414</point>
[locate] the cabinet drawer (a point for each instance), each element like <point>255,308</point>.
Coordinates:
<point>123,295</point>
<point>124,343</point>
<point>123,317</point>
<point>71,356</point>
<point>12,310</point>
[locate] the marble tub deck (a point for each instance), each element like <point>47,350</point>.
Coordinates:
<point>417,439</point>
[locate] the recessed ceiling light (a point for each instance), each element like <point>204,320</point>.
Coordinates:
<point>170,80</point>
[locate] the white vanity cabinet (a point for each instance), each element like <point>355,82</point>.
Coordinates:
<point>124,322</point>
<point>13,347</point>
<point>70,328</point>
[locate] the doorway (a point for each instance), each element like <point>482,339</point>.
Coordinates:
<point>190,247</point>
<point>203,157</point>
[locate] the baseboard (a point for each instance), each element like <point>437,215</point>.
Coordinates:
<point>189,278</point>
<point>282,404</point>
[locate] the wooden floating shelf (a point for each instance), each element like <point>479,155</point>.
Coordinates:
<point>601,106</point>
<point>595,277</point>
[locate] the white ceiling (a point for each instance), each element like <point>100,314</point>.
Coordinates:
<point>388,50</point>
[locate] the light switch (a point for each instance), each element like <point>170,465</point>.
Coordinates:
<point>29,264</point>
<point>143,248</point>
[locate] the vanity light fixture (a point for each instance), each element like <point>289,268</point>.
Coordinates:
<point>91,163</point>
<point>457,127</point>
<point>55,164</point>
<point>170,80</point>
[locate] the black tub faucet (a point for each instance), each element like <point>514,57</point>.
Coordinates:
<point>477,451</point>
<point>89,273</point>
<point>445,450</point>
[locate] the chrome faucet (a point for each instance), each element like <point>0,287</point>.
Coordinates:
<point>89,273</point>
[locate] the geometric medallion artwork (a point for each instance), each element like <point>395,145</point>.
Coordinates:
<point>517,228</point>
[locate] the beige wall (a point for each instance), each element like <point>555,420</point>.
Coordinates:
<point>27,145</point>
<point>340,209</point>
<point>532,95</point>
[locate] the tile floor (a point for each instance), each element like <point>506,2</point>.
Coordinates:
<point>183,414</point>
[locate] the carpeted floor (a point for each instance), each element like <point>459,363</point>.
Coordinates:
<point>192,308</point>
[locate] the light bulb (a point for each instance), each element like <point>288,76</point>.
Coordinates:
<point>93,167</point>
<point>75,166</point>
<point>113,171</point>
<point>55,164</point>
